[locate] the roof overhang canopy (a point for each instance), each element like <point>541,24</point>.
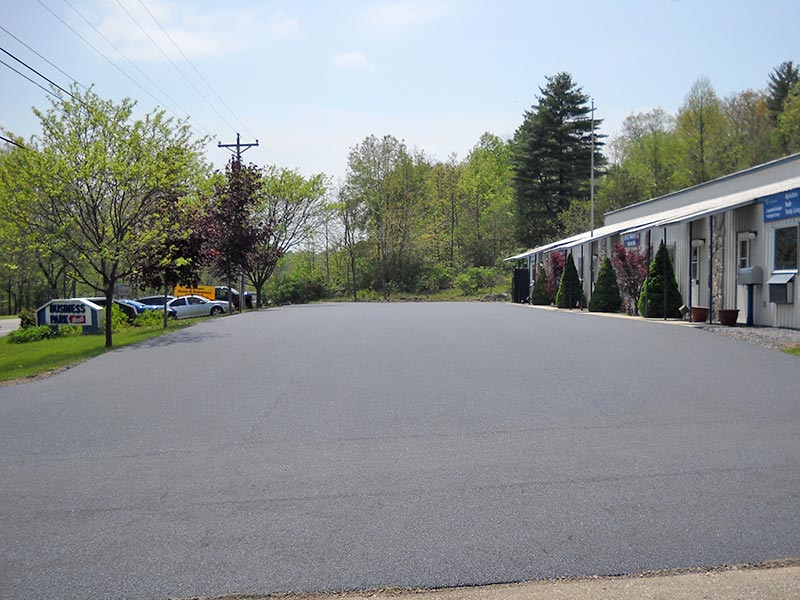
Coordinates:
<point>690,212</point>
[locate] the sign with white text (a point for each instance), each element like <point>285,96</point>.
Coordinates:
<point>784,205</point>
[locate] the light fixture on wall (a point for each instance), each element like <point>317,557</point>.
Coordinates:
<point>747,235</point>
<point>698,242</point>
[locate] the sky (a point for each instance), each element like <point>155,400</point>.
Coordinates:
<point>310,79</point>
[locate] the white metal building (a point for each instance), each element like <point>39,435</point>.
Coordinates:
<point>722,234</point>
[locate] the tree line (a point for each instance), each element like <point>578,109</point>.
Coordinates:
<point>101,198</point>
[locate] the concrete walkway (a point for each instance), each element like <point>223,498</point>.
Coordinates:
<point>770,581</point>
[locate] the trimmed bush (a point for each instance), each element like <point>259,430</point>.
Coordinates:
<point>27,318</point>
<point>540,295</point>
<point>651,300</point>
<point>606,296</point>
<point>32,334</point>
<point>570,290</point>
<point>149,318</point>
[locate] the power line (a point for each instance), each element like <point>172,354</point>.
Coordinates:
<point>203,79</point>
<point>113,64</point>
<point>5,139</point>
<point>129,61</point>
<point>191,64</point>
<point>36,83</point>
<point>50,81</point>
<point>56,67</point>
<point>189,81</point>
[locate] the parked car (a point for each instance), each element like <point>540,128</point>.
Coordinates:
<point>154,300</point>
<point>221,293</point>
<point>196,306</point>
<point>141,307</point>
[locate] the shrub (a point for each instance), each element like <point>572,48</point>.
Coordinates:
<point>70,330</point>
<point>27,318</point>
<point>32,334</point>
<point>631,267</point>
<point>297,287</point>
<point>149,318</point>
<point>119,320</point>
<point>540,295</point>
<point>556,268</point>
<point>570,290</point>
<point>651,300</point>
<point>606,296</point>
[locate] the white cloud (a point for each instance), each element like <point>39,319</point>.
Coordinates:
<point>198,34</point>
<point>397,15</point>
<point>352,60</point>
<point>283,26</point>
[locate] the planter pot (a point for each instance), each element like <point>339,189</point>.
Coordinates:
<point>728,316</point>
<point>699,314</point>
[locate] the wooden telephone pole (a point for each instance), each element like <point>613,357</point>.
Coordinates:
<point>240,148</point>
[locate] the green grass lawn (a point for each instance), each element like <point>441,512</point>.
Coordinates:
<point>25,360</point>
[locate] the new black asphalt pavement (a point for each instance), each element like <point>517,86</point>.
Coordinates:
<point>344,446</point>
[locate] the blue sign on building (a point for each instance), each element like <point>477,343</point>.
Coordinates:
<point>781,206</point>
<point>631,240</point>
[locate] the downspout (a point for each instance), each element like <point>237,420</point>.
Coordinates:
<point>710,267</point>
<point>690,265</point>
<point>664,276</point>
<point>583,269</point>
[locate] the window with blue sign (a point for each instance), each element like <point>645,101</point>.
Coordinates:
<point>786,249</point>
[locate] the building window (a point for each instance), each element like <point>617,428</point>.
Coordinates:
<point>744,253</point>
<point>786,249</point>
<point>695,263</point>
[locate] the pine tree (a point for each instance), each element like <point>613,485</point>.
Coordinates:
<point>540,296</point>
<point>651,300</point>
<point>570,290</point>
<point>551,159</point>
<point>782,81</point>
<point>606,296</point>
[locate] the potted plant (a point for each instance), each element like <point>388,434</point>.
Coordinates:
<point>699,314</point>
<point>728,316</point>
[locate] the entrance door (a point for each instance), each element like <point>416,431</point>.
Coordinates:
<point>742,262</point>
<point>695,274</point>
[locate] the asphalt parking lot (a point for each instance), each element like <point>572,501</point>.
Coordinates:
<point>346,447</point>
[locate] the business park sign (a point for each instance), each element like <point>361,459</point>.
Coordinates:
<point>74,311</point>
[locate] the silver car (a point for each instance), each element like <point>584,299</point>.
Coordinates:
<point>196,306</point>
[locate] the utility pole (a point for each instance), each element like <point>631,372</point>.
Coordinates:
<point>240,148</point>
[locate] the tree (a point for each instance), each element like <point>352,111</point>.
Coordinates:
<point>782,81</point>
<point>752,130</point>
<point>570,291</point>
<point>96,174</point>
<point>172,244</point>
<point>556,262</point>
<point>487,201</point>
<point>234,231</point>
<point>288,210</point>
<point>789,121</point>
<point>540,295</point>
<point>660,282</point>
<point>704,134</point>
<point>551,154</point>
<point>631,267</point>
<point>606,296</point>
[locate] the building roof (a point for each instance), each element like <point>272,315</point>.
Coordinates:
<point>669,217</point>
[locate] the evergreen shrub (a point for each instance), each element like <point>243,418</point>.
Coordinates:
<point>540,295</point>
<point>570,290</point>
<point>651,300</point>
<point>606,296</point>
<point>27,318</point>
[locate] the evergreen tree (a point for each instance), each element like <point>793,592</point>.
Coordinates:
<point>551,157</point>
<point>570,290</point>
<point>651,300</point>
<point>540,296</point>
<point>782,81</point>
<point>606,296</point>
